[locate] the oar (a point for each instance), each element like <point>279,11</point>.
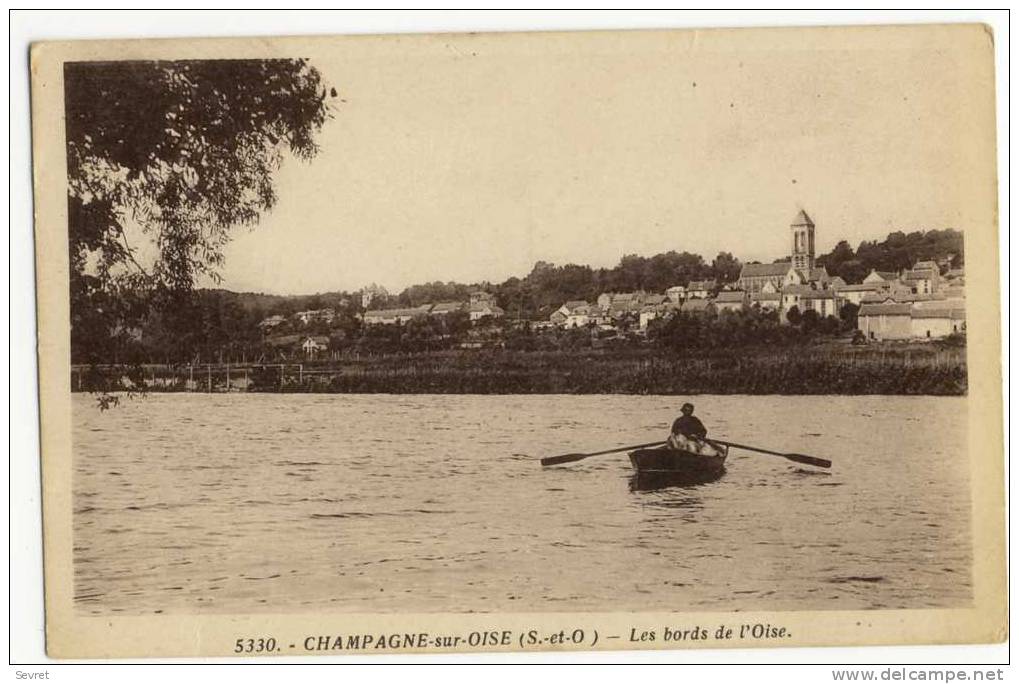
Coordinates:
<point>570,458</point>
<point>799,458</point>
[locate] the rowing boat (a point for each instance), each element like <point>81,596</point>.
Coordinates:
<point>708,464</point>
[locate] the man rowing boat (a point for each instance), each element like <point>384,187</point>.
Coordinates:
<point>688,432</point>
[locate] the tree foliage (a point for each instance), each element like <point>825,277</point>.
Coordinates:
<point>179,152</point>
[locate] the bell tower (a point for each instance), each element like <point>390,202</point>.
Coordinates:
<point>803,241</point>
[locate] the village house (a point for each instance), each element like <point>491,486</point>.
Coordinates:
<point>856,292</point>
<point>881,277</point>
<point>731,300</point>
<point>701,289</point>
<point>314,345</point>
<point>766,301</point>
<point>271,322</point>
<point>316,316</point>
<point>443,308</point>
<point>651,312</point>
<point>676,294</point>
<point>392,316</point>
<point>934,323</point>
<point>697,306</point>
<point>891,321</point>
<point>483,310</point>
<point>822,302</point>
<point>482,297</point>
<point>792,295</point>
<point>579,316</point>
<point>571,313</point>
<point>920,282</point>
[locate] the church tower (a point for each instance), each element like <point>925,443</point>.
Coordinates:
<point>803,242</point>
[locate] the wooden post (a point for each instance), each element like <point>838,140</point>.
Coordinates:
<point>191,377</point>
<point>300,374</point>
<point>281,377</point>
<point>208,367</point>
<point>228,375</point>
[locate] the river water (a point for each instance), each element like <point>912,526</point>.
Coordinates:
<point>225,503</point>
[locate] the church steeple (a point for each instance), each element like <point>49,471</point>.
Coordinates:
<point>803,242</point>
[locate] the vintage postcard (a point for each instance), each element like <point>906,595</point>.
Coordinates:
<point>512,342</point>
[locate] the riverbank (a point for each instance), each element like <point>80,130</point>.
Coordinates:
<point>812,369</point>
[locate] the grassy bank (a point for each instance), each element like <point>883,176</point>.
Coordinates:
<point>809,369</point>
<point>796,371</point>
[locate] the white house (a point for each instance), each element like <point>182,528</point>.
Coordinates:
<point>482,310</point>
<point>885,321</point>
<point>323,315</point>
<point>701,289</point>
<point>315,344</point>
<point>391,316</point>
<point>676,293</point>
<point>271,322</point>
<point>443,308</point>
<point>856,292</point>
<point>933,323</point>
<point>482,297</point>
<point>823,302</point>
<point>731,300</point>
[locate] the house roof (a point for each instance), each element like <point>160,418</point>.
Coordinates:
<point>929,265</point>
<point>763,270</point>
<point>393,313</point>
<point>317,339</point>
<point>701,285</point>
<point>446,307</point>
<point>819,294</point>
<point>888,275</point>
<point>798,289</point>
<point>676,288</point>
<point>731,296</point>
<point>492,308</point>
<point>574,303</point>
<point>952,313</point>
<point>765,297</point>
<point>816,273</point>
<point>884,310</point>
<point>860,287</point>
<point>918,275</point>
<point>802,219</point>
<point>654,299</point>
<point>696,304</point>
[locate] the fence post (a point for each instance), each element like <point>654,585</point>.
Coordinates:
<point>208,367</point>
<point>191,377</point>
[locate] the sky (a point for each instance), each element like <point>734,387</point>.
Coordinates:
<point>471,157</point>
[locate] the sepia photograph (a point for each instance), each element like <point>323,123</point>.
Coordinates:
<point>520,341</point>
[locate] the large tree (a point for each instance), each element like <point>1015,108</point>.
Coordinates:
<point>179,153</point>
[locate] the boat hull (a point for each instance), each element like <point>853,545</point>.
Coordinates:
<point>677,462</point>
